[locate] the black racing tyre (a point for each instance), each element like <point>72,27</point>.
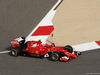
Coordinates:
<point>68,48</point>
<point>15,52</point>
<point>54,56</point>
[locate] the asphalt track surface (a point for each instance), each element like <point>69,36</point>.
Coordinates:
<point>18,18</point>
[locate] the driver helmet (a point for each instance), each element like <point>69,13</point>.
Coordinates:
<point>39,41</point>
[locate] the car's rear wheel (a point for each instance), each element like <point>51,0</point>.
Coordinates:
<point>15,52</point>
<point>54,56</point>
<point>68,48</point>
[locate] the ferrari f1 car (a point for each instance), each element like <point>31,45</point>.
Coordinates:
<point>37,49</point>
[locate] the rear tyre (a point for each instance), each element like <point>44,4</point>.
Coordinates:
<point>68,48</point>
<point>15,52</point>
<point>54,56</point>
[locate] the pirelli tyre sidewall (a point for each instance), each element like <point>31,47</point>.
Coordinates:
<point>68,48</point>
<point>14,52</point>
<point>54,56</point>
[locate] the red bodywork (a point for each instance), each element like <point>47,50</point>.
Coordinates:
<point>14,43</point>
<point>38,49</point>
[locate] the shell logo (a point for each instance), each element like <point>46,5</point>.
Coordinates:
<point>67,52</point>
<point>37,52</point>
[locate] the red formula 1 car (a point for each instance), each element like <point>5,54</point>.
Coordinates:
<point>37,49</point>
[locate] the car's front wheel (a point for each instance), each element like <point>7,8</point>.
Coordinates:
<point>68,48</point>
<point>54,56</point>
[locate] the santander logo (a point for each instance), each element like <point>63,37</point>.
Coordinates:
<point>14,42</point>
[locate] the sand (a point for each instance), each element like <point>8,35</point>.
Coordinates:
<point>77,22</point>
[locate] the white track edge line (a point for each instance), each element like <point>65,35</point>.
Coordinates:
<point>4,52</point>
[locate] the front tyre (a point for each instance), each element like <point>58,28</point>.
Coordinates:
<point>54,56</point>
<point>14,52</point>
<point>68,48</point>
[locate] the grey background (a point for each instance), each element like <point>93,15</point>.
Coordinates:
<point>18,18</point>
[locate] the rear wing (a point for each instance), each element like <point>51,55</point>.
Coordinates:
<point>45,27</point>
<point>15,42</point>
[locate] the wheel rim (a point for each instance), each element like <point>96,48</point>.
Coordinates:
<point>13,53</point>
<point>54,57</point>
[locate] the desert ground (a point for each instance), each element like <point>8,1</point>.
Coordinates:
<point>77,22</point>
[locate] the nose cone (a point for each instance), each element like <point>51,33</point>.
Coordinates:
<point>70,54</point>
<point>74,55</point>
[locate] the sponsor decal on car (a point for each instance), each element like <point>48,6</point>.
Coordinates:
<point>37,52</point>
<point>33,51</point>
